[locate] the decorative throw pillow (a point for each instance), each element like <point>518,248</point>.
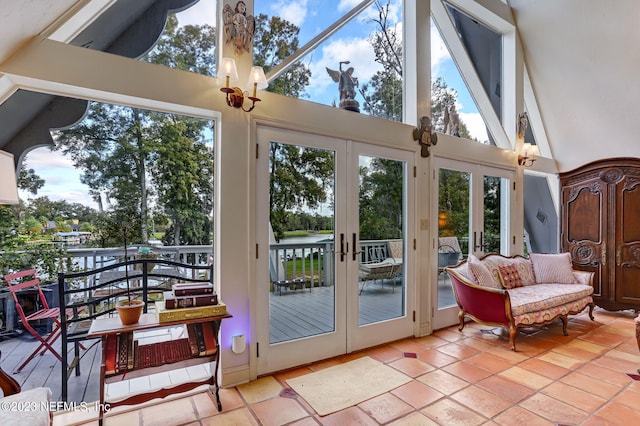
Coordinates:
<point>553,268</point>
<point>509,276</point>
<point>481,273</point>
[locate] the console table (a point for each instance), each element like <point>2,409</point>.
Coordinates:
<point>111,331</point>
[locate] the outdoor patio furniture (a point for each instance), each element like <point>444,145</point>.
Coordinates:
<point>20,282</point>
<point>449,252</point>
<point>97,290</point>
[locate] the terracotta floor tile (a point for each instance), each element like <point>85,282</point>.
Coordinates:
<point>630,398</point>
<point>573,396</point>
<point>449,334</point>
<point>591,385</point>
<point>458,351</point>
<point>489,362</point>
<point>603,338</point>
<point>436,358</point>
<point>619,414</point>
<point>290,374</point>
<point>596,420</point>
<point>553,409</point>
<point>349,416</point>
<point>443,382</point>
<point>544,368</point>
<point>486,403</point>
<point>508,355</point>
<point>414,419</point>
<point>525,377</point>
<point>466,371</point>
<point>412,367</point>
<point>175,412</point>
<point>431,341</point>
<point>241,416</point>
<point>561,360</point>
<point>408,345</point>
<point>520,416</point>
<point>450,413</point>
<point>616,364</point>
<point>260,389</point>
<point>417,394</point>
<point>278,411</point>
<point>384,354</point>
<point>205,407</point>
<point>385,408</point>
<point>605,374</point>
<point>506,389</point>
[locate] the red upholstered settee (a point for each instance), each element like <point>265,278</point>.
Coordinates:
<point>517,292</point>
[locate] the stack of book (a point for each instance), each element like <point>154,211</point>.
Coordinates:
<point>189,300</point>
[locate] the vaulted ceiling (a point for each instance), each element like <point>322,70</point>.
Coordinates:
<point>580,56</point>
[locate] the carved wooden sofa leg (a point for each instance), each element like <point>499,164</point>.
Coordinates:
<point>513,331</point>
<point>565,322</point>
<point>591,306</point>
<point>461,319</point>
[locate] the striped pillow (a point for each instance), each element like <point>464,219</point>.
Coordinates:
<point>553,268</point>
<point>481,273</point>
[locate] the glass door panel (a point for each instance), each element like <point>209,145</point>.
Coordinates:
<point>454,201</point>
<point>381,228</point>
<point>302,220</point>
<point>472,218</point>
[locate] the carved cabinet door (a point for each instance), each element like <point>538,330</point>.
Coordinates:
<point>600,227</point>
<point>627,237</point>
<point>584,228</point>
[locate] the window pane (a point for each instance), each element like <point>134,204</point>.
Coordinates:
<point>356,68</point>
<point>168,33</point>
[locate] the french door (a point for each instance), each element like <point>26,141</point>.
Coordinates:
<point>341,282</point>
<point>472,208</point>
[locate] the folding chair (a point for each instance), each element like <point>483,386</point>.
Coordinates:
<point>21,281</point>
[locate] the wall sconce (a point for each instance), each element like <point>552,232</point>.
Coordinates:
<point>528,155</point>
<point>8,188</point>
<point>235,95</point>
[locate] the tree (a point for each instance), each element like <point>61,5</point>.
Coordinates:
<point>383,94</point>
<point>442,99</point>
<point>117,147</point>
<point>29,181</point>
<point>275,39</point>
<point>381,199</point>
<point>299,179</point>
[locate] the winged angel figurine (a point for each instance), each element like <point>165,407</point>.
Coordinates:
<point>346,86</point>
<point>239,27</point>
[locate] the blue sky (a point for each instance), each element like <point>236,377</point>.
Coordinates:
<point>62,181</point>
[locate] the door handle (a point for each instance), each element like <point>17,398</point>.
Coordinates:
<point>343,253</point>
<point>353,244</point>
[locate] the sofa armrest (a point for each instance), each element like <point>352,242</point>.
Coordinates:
<point>584,277</point>
<point>485,304</point>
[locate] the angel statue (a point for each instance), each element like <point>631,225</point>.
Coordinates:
<point>239,28</point>
<point>346,86</point>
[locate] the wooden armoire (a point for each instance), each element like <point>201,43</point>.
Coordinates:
<point>600,227</point>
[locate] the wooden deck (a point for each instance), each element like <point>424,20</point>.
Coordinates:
<point>295,313</point>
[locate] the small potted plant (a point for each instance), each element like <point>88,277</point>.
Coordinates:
<point>129,308</point>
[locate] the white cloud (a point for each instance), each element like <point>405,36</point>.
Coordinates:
<point>203,12</point>
<point>346,5</point>
<point>292,11</point>
<point>62,180</point>
<point>439,52</point>
<point>355,50</point>
<point>475,125</point>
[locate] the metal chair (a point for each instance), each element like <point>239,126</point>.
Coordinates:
<point>19,282</point>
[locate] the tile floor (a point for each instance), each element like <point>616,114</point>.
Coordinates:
<point>468,378</point>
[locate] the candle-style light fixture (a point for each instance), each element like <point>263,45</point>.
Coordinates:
<point>8,185</point>
<point>528,155</point>
<point>235,95</point>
